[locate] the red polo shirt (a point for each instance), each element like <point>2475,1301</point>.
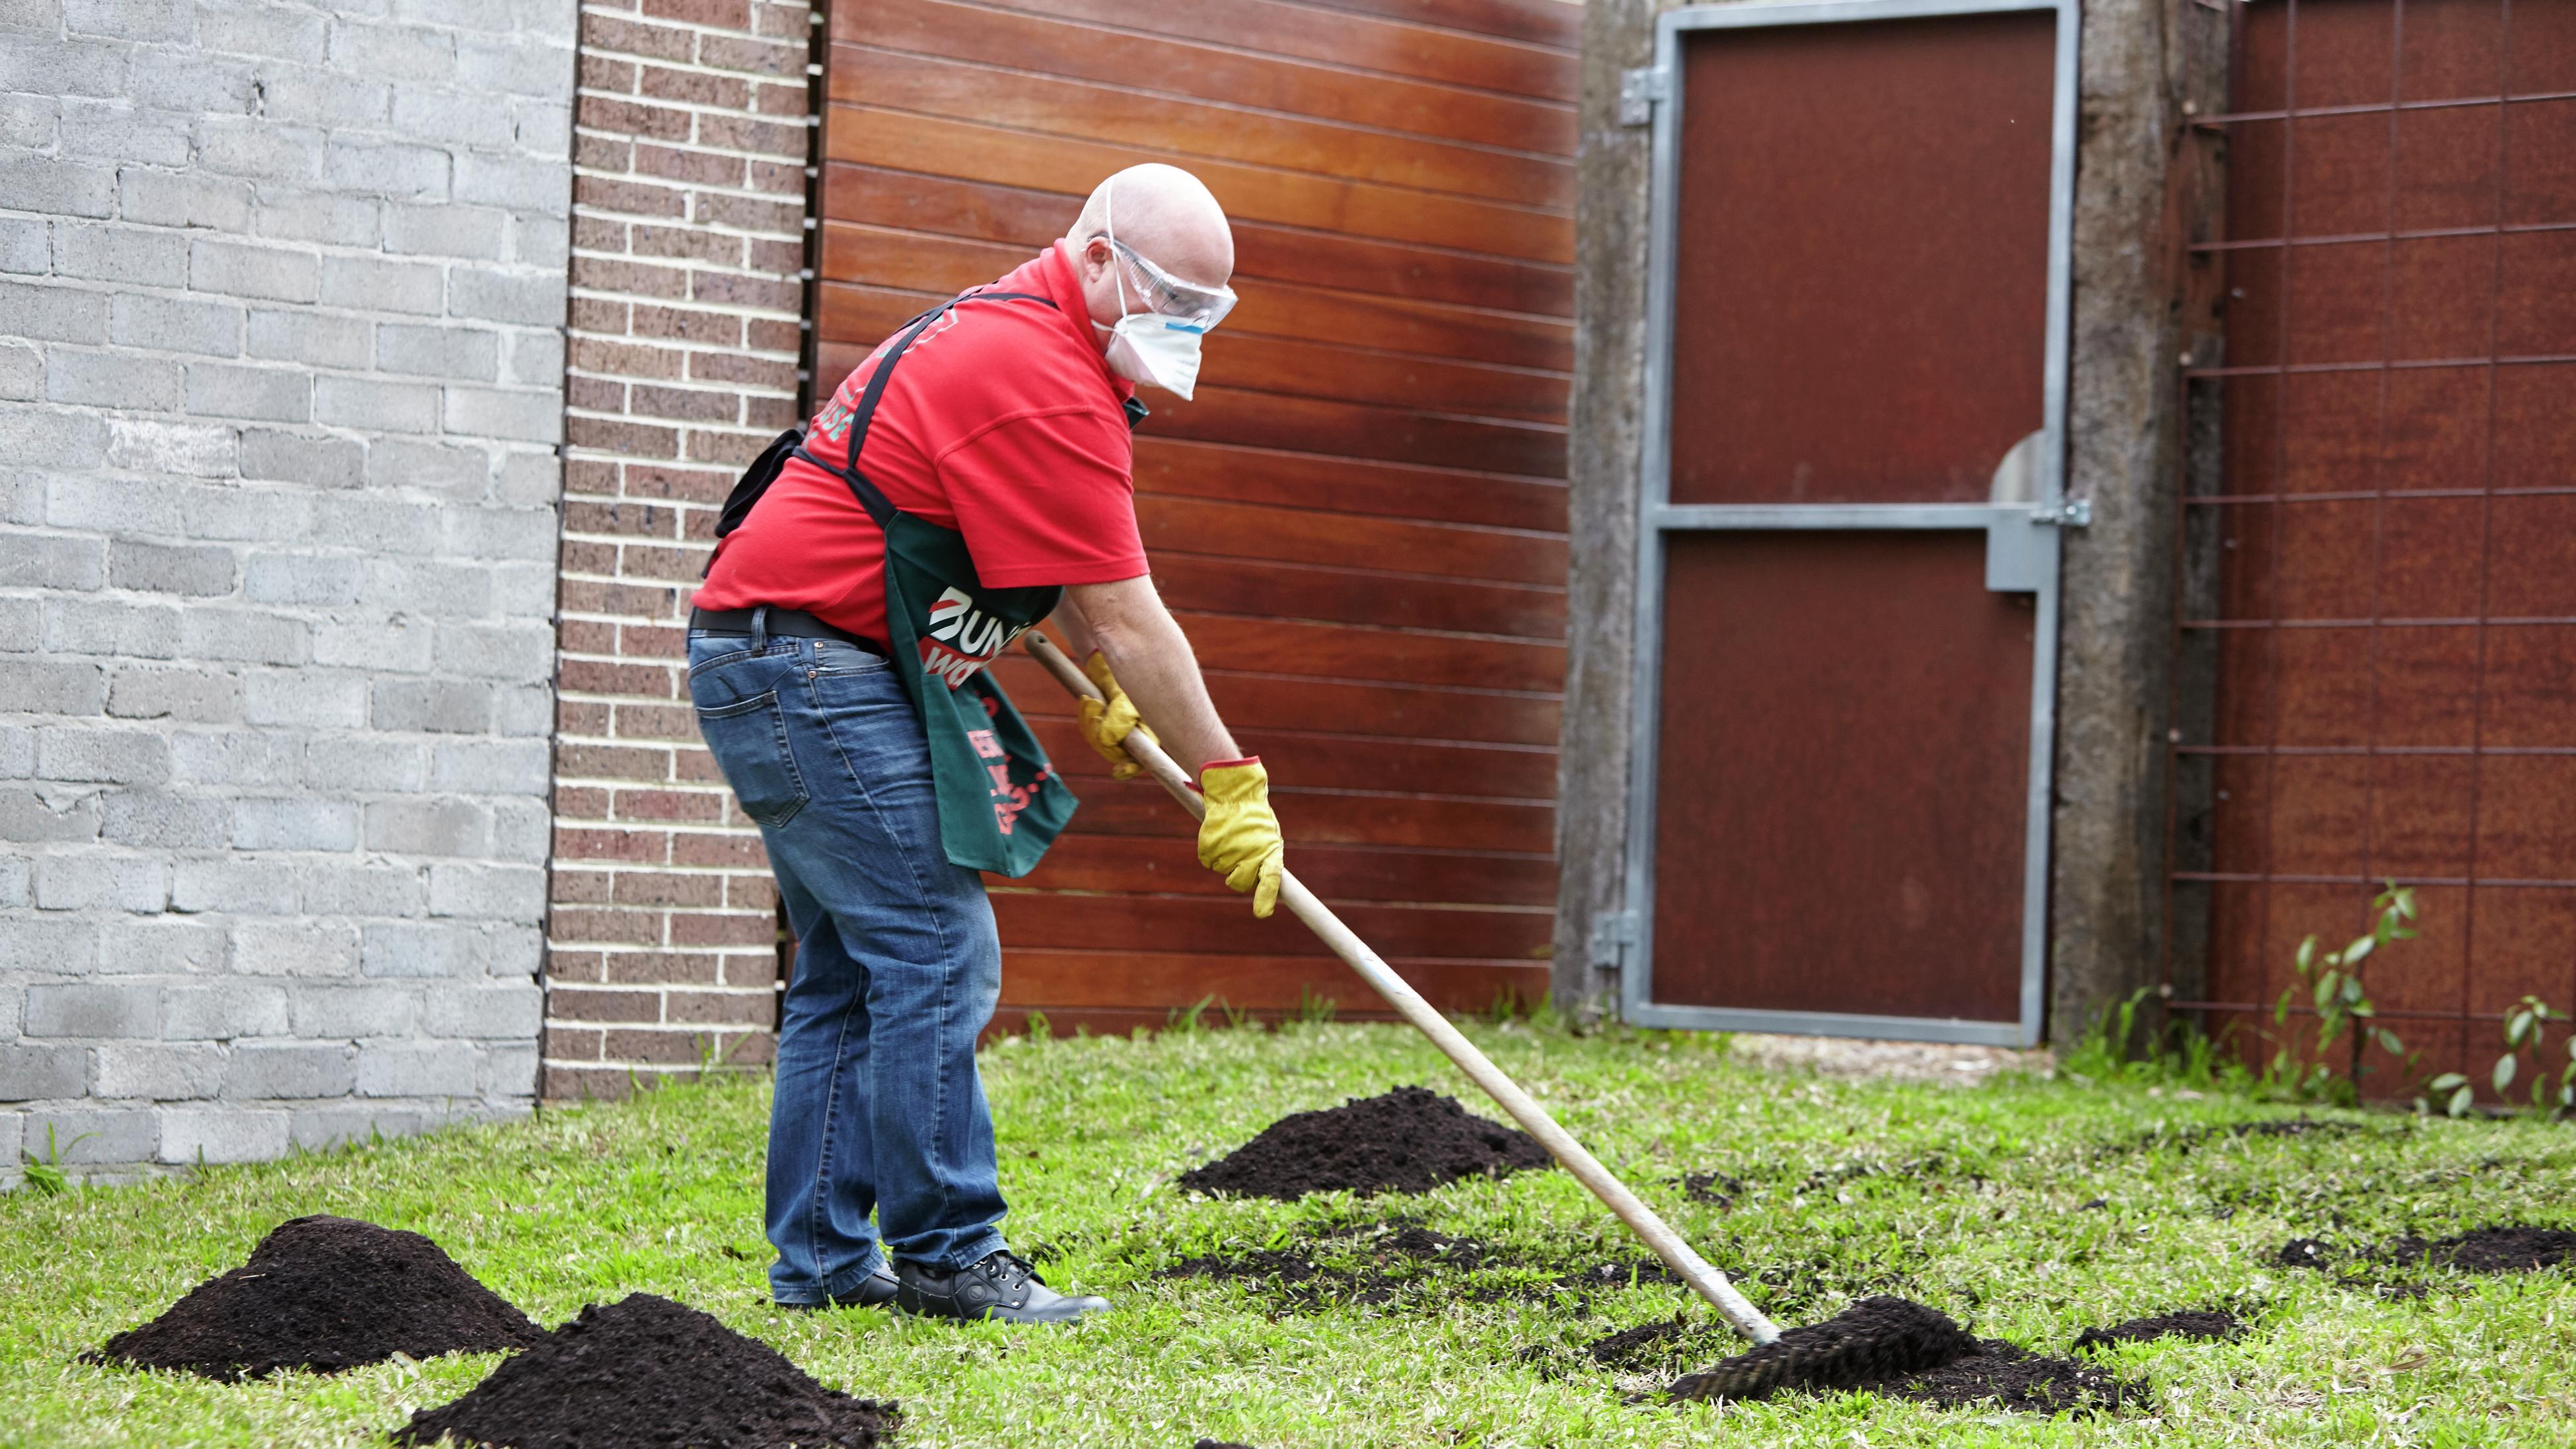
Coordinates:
<point>1002,422</point>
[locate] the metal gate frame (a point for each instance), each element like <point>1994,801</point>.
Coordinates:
<point>2021,537</point>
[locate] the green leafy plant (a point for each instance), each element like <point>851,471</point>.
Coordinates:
<point>2335,982</point>
<point>1191,1017</point>
<point>2526,1034</point>
<point>46,1174</point>
<point>2111,1050</point>
<point>1314,1009</point>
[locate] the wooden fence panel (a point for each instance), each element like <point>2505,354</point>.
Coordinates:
<point>1361,518</point>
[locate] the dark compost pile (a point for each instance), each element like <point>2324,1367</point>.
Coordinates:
<point>326,1294</point>
<point>1905,1350</point>
<point>1410,1140</point>
<point>648,1371</point>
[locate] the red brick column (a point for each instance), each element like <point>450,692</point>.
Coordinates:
<point>690,149</point>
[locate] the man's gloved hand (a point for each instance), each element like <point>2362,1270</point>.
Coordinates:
<point>1239,839</point>
<point>1106,722</point>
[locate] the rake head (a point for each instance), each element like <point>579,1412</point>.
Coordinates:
<point>1875,1339</point>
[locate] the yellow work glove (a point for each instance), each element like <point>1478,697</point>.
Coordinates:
<point>1106,722</point>
<point>1240,838</point>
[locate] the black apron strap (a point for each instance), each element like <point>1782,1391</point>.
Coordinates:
<point>871,498</point>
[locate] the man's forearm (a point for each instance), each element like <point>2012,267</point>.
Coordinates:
<point>1151,657</point>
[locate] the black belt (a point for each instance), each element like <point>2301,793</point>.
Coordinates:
<point>793,623</point>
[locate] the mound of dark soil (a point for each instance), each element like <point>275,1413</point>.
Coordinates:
<point>2488,1250</point>
<point>648,1371</point>
<point>2210,1323</point>
<point>1892,1346</point>
<point>1410,1140</point>
<point>1878,1340</point>
<point>326,1294</point>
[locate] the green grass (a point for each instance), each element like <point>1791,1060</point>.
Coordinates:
<point>1968,1198</point>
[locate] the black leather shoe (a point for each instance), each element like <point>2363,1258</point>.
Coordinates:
<point>1002,1287</point>
<point>874,1291</point>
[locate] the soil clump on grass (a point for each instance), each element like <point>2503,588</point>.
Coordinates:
<point>1409,1140</point>
<point>1901,1349</point>
<point>2191,1323</point>
<point>326,1294</point>
<point>646,1370</point>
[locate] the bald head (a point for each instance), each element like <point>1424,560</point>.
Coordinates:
<point>1167,215</point>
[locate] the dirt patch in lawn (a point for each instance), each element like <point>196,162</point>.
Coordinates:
<point>2013,1377</point>
<point>2182,1139</point>
<point>2514,1248</point>
<point>1409,1140</point>
<point>1668,1344</point>
<point>1400,1259</point>
<point>2191,1323</point>
<point>326,1294</point>
<point>2488,1250</point>
<point>1381,1263</point>
<point>647,1370</point>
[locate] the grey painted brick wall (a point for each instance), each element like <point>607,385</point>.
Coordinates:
<point>281,360</point>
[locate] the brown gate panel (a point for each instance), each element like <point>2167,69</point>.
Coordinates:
<point>1361,518</point>
<point>1842,775</point>
<point>1862,274</point>
<point>2380,597</point>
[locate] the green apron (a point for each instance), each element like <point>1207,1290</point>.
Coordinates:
<point>1000,804</point>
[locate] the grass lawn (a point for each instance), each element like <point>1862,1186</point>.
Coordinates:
<point>1969,1198</point>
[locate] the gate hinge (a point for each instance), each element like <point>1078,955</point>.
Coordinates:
<point>1639,90</point>
<point>2066,513</point>
<point>1613,932</point>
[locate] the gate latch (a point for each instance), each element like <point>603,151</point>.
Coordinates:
<point>1613,932</point>
<point>1639,90</point>
<point>2021,547</point>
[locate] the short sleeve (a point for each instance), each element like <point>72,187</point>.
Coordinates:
<point>1047,498</point>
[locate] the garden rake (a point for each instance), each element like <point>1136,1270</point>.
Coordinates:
<point>1876,1338</point>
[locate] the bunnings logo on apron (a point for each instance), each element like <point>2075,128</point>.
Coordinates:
<point>962,638</point>
<point>1000,804</point>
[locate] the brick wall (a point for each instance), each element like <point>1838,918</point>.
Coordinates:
<point>690,150</point>
<point>281,296</point>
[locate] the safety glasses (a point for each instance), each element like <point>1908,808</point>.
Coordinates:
<point>1168,296</point>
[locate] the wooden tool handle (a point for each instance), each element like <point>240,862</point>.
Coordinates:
<point>1677,1255</point>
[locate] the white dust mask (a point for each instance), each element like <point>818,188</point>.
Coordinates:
<point>1164,351</point>
<point>1160,344</point>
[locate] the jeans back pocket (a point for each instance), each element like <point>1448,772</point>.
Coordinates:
<point>749,740</point>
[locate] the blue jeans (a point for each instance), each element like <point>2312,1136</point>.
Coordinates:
<point>898,965</point>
